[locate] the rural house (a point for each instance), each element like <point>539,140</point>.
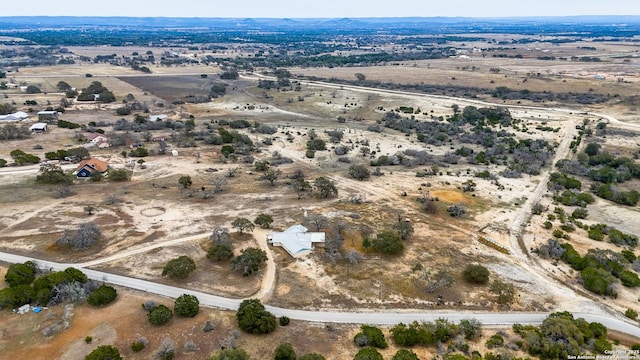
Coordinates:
<point>296,240</point>
<point>87,167</point>
<point>16,116</point>
<point>97,139</point>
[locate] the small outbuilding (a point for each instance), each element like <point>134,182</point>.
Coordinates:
<point>38,127</point>
<point>47,115</point>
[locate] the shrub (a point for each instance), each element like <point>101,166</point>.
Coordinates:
<point>102,295</point>
<point>284,321</point>
<point>631,314</point>
<point>20,274</point>
<point>159,315</point>
<point>368,353</point>
<point>370,336</point>
<point>104,352</point>
<point>359,172</point>
<point>285,352</point>
<point>88,339</point>
<point>253,318</point>
<point>137,346</point>
<point>179,268</point>
<point>476,274</point>
<point>187,306</point>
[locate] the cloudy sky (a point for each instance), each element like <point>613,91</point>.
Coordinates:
<point>319,8</point>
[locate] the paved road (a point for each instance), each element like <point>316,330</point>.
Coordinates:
<point>361,317</point>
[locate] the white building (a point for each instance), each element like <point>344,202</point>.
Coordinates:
<point>296,240</point>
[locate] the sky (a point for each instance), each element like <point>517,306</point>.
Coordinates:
<point>318,8</point>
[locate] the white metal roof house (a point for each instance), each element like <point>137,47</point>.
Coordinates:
<point>296,240</point>
<point>17,116</point>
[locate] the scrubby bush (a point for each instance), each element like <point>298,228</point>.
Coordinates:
<point>476,274</point>
<point>253,318</point>
<point>159,315</point>
<point>187,306</point>
<point>102,295</point>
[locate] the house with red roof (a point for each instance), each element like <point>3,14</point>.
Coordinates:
<point>86,168</point>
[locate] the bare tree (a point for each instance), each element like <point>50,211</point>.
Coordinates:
<point>86,236</point>
<point>220,235</point>
<point>218,183</point>
<point>231,172</point>
<point>316,221</point>
<point>353,258</point>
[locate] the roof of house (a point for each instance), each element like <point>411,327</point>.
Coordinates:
<point>15,116</point>
<point>95,164</point>
<point>154,118</point>
<point>38,126</point>
<point>297,239</point>
<point>91,136</point>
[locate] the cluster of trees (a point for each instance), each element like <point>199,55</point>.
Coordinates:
<point>13,132</point>
<point>184,306</point>
<point>27,284</point>
<point>86,236</point>
<point>23,158</point>
<point>600,270</point>
<point>483,127</point>
<point>606,169</point>
<point>598,232</point>
<point>561,336</point>
<point>96,92</point>
<point>221,249</point>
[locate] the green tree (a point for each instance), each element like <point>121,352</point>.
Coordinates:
<point>285,352</point>
<point>359,172</point>
<point>370,336</point>
<point>159,315</point>
<point>476,274</point>
<point>242,225</point>
<point>325,187</point>
<point>631,314</point>
<point>63,86</point>
<point>388,242</point>
<point>187,306</point>
<point>404,354</point>
<point>179,268</point>
<point>185,181</point>
<point>263,220</point>
<point>261,165</point>
<point>368,353</point>
<point>271,175</point>
<point>249,261</point>
<point>22,158</point>
<point>404,229</point>
<point>311,356</point>
<point>231,354</point>
<point>103,295</point>
<point>104,352</point>
<point>52,174</point>
<point>253,318</point>
<point>300,186</point>
<point>20,274</point>
<point>506,292</point>
<point>471,329</point>
<point>33,89</point>
<point>220,251</point>
<point>139,152</point>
